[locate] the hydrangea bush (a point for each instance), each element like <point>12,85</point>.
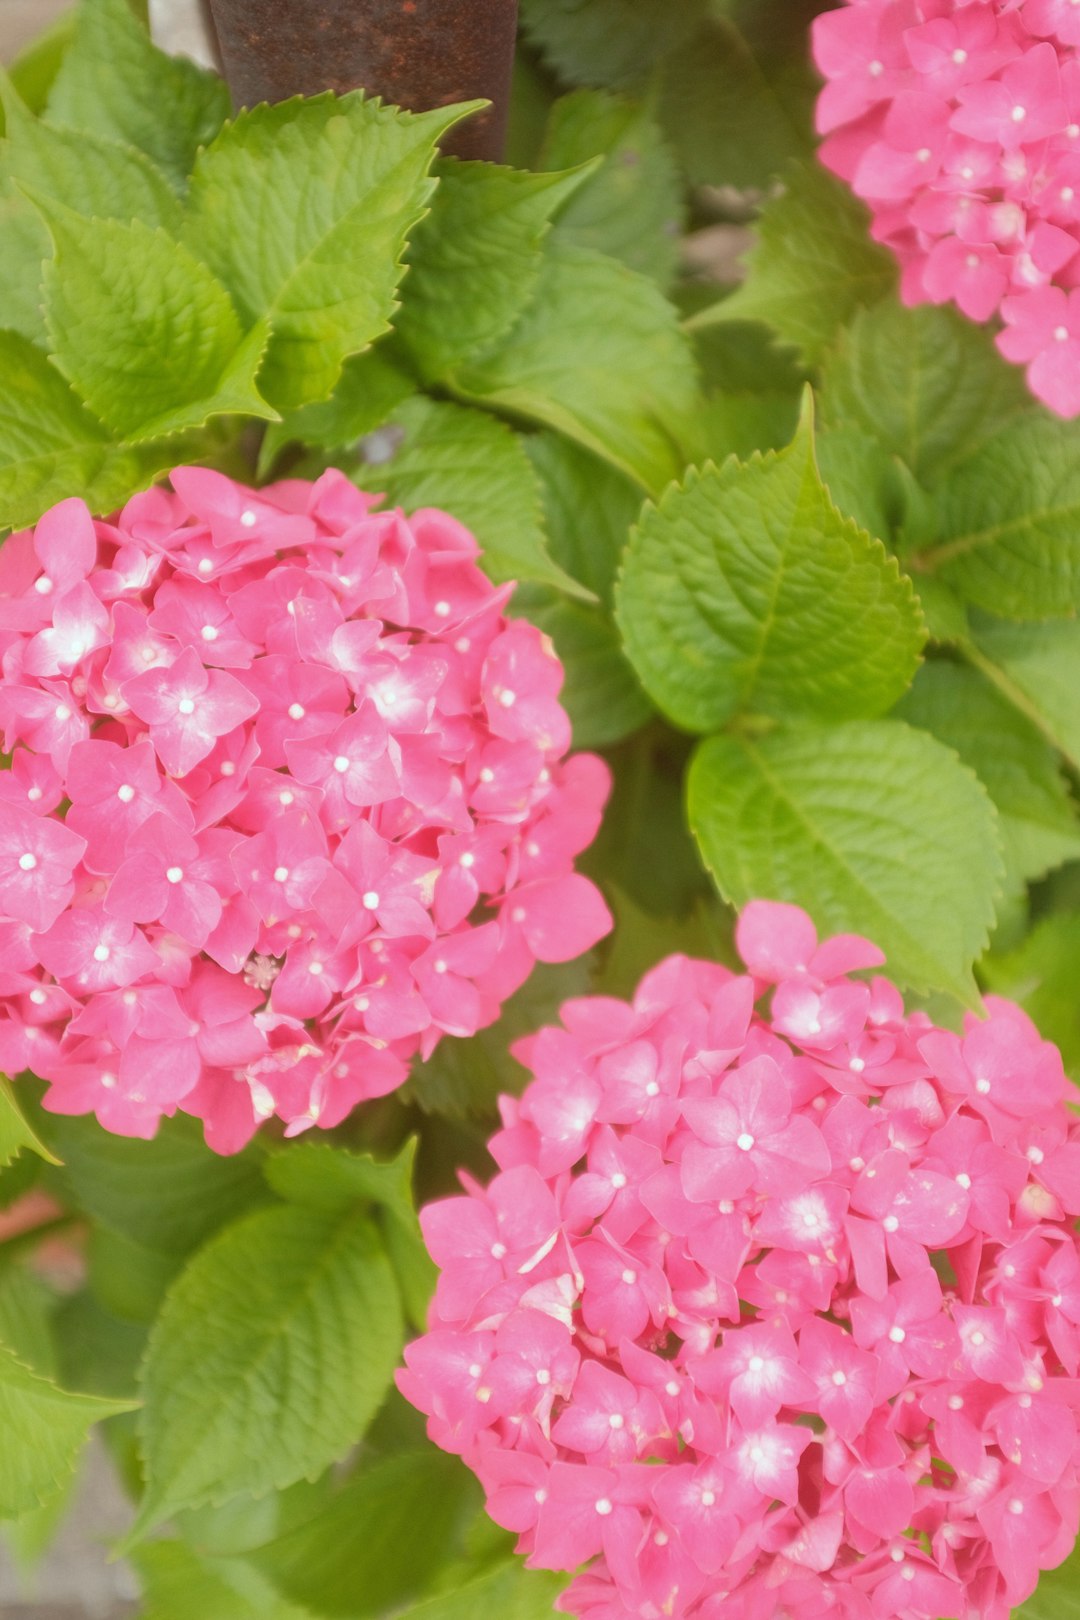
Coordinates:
<point>315,813</point>
<point>960,126</point>
<point>438,593</point>
<point>770,1310</point>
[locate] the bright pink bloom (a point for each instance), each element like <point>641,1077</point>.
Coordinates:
<point>958,121</point>
<point>286,804</point>
<point>773,1308</point>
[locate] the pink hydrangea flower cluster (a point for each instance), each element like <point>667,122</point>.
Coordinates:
<point>771,1313</point>
<point>958,122</point>
<point>286,803</point>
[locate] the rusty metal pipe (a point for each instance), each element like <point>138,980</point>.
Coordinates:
<point>417,53</point>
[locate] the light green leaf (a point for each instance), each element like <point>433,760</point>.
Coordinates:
<point>142,330</point>
<point>812,267</point>
<point>370,387</point>
<point>24,246</point>
<point>873,827</point>
<point>925,383</point>
<point>1037,667</point>
<point>26,1329</point>
<point>1005,528</point>
<point>302,210</point>
<point>598,356</point>
<point>476,468</point>
<point>1057,1596</point>
<point>34,70</point>
<point>50,445</point>
<point>736,96</point>
<point>610,42</point>
<point>746,590</point>
<point>167,1194</point>
<point>1042,973</point>
<point>178,1584</point>
<point>331,1178</point>
<point>330,1567</point>
<point>44,1430</point>
<point>114,82</point>
<point>589,508</point>
<point>1016,765</point>
<point>601,694</point>
<point>270,1357</point>
<point>632,206</point>
<point>96,176</point>
<point>475,260</point>
<point>16,1132</point>
<point>507,1592</point>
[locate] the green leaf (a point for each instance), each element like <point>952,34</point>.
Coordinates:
<point>508,1592</point>
<point>474,262</point>
<point>925,383</point>
<point>16,1132</point>
<point>1037,667</point>
<point>610,42</point>
<point>598,356</point>
<point>812,267</point>
<point>736,97</point>
<point>26,1307</point>
<point>142,330</point>
<point>1005,528</point>
<point>327,1566</point>
<point>50,445</point>
<point>632,206</point>
<point>44,1430</point>
<point>24,246</point>
<point>746,590</point>
<point>331,1178</point>
<point>167,1194</point>
<point>589,508</point>
<point>1057,1596</point>
<point>371,386</point>
<point>302,210</point>
<point>96,176</point>
<point>469,464</point>
<point>114,82</point>
<point>601,693</point>
<point>1014,762</point>
<point>270,1357</point>
<point>1042,975</point>
<point>861,479</point>
<point>178,1584</point>
<point>873,827</point>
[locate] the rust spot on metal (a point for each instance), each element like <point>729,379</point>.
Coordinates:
<point>417,53</point>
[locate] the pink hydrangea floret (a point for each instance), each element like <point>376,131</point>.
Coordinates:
<point>773,1307</point>
<point>958,122</point>
<point>287,803</point>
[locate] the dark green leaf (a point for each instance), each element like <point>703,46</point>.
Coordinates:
<point>371,386</point>
<point>610,42</point>
<point>1037,667</point>
<point>409,1511</point>
<point>632,206</point>
<point>1042,974</point>
<point>601,694</point>
<point>589,508</point>
<point>623,387</point>
<point>168,1194</point>
<point>812,268</point>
